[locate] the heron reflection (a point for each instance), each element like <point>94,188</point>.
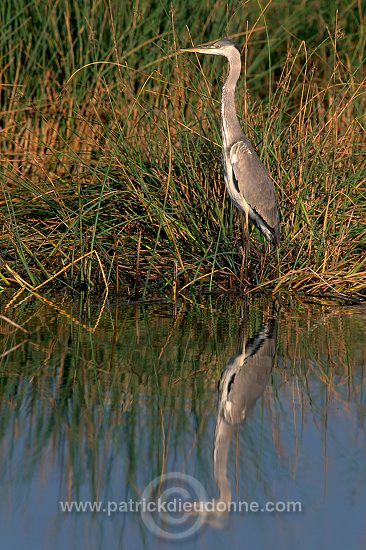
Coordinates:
<point>242,382</point>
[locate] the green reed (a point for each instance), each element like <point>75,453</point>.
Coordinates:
<point>110,147</point>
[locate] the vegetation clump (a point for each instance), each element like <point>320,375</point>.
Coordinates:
<point>110,146</point>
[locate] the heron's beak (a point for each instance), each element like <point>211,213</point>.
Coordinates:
<point>197,49</point>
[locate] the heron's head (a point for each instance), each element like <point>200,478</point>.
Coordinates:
<point>222,47</point>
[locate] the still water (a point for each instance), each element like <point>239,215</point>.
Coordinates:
<point>215,406</point>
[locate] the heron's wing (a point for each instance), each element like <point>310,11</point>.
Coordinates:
<point>253,182</point>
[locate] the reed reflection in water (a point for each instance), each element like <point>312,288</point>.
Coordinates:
<point>98,416</point>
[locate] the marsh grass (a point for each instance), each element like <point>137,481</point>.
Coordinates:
<point>110,149</point>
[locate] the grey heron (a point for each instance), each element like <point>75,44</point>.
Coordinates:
<point>247,180</point>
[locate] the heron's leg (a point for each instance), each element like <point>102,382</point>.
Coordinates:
<point>244,216</point>
<point>265,258</point>
<point>247,242</point>
<point>242,248</point>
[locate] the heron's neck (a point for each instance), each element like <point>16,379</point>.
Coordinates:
<point>231,129</point>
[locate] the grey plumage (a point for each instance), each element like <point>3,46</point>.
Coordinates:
<point>246,178</point>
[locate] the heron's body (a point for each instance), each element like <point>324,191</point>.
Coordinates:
<point>246,178</point>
